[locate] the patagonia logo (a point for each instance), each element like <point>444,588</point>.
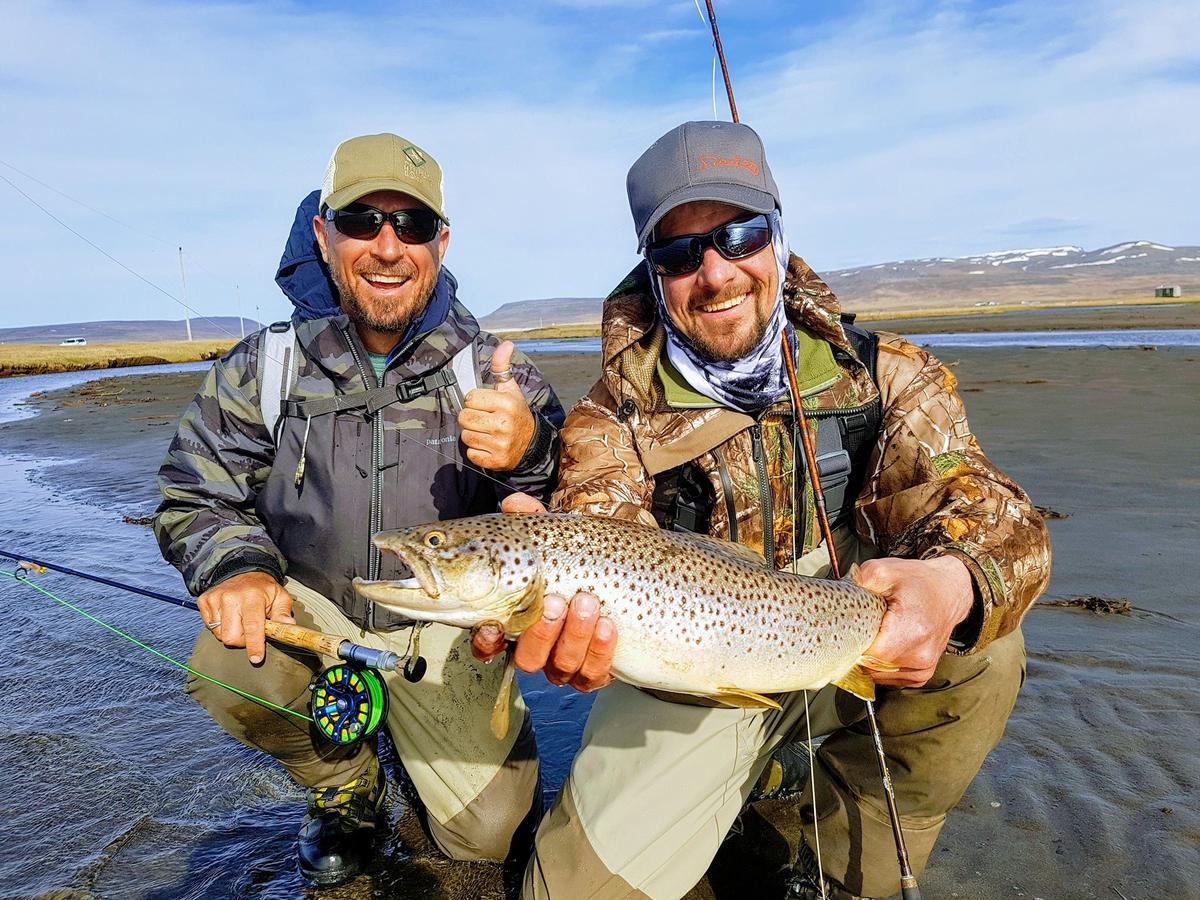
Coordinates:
<point>708,161</point>
<point>448,439</point>
<point>414,156</point>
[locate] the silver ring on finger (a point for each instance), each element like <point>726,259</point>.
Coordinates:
<point>213,625</point>
<point>505,375</point>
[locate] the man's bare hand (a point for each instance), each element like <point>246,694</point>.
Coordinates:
<point>522,503</point>
<point>242,604</point>
<point>925,600</point>
<point>572,643</point>
<point>497,424</point>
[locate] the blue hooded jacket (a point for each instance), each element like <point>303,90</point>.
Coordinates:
<point>304,278</point>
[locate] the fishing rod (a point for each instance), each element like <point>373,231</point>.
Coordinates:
<point>909,890</point>
<point>348,700</point>
<point>908,882</point>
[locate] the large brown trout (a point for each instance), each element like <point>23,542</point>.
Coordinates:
<point>694,614</point>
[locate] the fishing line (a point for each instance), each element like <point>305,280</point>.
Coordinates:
<point>131,639</point>
<point>136,274</point>
<point>86,206</point>
<point>812,764</point>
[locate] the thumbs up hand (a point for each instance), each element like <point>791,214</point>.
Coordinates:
<point>497,424</point>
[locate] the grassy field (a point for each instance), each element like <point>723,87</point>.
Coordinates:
<point>550,332</point>
<point>877,314</point>
<point>39,359</point>
<point>592,329</point>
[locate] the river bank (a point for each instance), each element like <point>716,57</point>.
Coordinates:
<point>1091,792</point>
<point>32,359</point>
<point>18,359</point>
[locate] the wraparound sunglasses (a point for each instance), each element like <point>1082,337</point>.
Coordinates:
<point>361,222</point>
<point>734,240</point>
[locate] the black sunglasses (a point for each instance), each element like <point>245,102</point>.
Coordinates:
<point>734,240</point>
<point>361,222</point>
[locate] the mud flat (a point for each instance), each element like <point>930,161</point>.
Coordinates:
<point>1092,791</point>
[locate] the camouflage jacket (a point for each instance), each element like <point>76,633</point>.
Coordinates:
<point>236,500</point>
<point>927,489</point>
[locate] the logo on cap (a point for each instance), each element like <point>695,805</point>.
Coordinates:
<point>708,161</point>
<point>414,156</point>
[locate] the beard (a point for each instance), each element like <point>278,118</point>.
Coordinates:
<point>387,315</point>
<point>730,346</point>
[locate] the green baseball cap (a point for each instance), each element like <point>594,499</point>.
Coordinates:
<point>382,162</point>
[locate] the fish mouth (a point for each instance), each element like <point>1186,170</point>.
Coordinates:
<point>422,597</point>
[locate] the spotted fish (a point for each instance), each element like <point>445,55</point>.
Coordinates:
<point>694,614</point>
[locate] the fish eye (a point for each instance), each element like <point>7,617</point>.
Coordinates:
<point>435,539</point>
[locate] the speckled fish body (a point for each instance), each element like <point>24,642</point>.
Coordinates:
<point>694,614</point>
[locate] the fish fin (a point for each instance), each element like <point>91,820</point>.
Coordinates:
<point>857,682</point>
<point>875,664</point>
<point>531,613</point>
<point>745,699</point>
<point>504,698</point>
<point>855,575</point>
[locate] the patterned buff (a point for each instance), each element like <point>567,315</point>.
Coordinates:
<point>752,382</point>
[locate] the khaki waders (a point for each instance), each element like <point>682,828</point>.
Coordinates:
<point>477,790</point>
<point>658,784</point>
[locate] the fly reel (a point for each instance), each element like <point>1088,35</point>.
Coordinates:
<point>348,703</point>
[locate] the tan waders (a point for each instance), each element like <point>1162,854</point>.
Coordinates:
<point>659,781</point>
<point>476,789</point>
<point>658,784</point>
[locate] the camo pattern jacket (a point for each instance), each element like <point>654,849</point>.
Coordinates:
<point>928,490</point>
<point>237,500</point>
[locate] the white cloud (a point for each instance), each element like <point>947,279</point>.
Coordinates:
<point>893,134</point>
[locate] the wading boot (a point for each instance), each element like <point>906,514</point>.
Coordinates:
<point>785,776</point>
<point>337,833</point>
<point>805,881</point>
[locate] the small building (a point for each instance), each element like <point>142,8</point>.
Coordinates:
<point>73,342</point>
<point>1168,290</point>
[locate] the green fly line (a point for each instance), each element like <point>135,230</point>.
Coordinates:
<point>182,665</point>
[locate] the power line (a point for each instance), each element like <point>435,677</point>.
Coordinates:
<point>76,200</point>
<point>136,274</point>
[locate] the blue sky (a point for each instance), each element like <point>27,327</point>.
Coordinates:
<point>895,130</point>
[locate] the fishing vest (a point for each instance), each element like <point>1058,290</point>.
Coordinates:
<point>684,496</point>
<point>278,362</point>
<point>340,473</point>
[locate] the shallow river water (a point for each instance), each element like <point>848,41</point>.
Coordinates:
<point>116,785</point>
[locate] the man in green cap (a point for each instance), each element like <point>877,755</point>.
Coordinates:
<point>391,409</point>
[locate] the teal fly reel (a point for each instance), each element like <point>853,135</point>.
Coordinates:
<point>348,703</point>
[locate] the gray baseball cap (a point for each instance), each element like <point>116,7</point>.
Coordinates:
<point>720,161</point>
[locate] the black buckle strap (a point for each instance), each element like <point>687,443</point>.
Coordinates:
<point>373,400</point>
<point>410,390</point>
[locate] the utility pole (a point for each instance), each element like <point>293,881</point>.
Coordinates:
<point>187,313</point>
<point>241,318</point>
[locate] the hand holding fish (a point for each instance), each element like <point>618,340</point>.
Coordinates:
<point>575,649</point>
<point>497,424</point>
<point>239,606</point>
<point>572,643</point>
<point>925,599</point>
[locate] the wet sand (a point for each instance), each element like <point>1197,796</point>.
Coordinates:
<point>1093,790</point>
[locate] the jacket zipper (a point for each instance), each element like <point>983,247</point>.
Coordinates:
<point>373,554</point>
<point>727,490</point>
<point>764,493</point>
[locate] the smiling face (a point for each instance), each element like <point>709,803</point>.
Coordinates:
<point>724,307</point>
<point>383,283</point>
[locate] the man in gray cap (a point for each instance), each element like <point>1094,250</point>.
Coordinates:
<point>692,427</point>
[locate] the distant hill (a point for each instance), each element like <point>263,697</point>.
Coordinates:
<point>543,313</point>
<point>214,328</point>
<point>1003,277</point>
